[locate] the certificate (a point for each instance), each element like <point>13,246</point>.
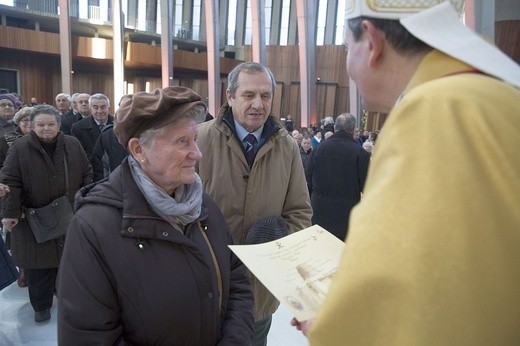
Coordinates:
<point>296,269</point>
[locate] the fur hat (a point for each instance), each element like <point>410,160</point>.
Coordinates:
<point>142,111</point>
<point>267,229</point>
<point>22,113</point>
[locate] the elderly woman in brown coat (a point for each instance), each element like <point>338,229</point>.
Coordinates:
<point>147,257</point>
<point>35,173</point>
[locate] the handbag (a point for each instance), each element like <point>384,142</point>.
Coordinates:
<point>51,221</point>
<point>8,271</point>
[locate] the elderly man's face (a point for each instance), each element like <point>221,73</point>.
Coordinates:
<point>62,104</point>
<point>6,109</point>
<point>171,158</point>
<point>82,104</point>
<point>99,109</point>
<point>252,101</point>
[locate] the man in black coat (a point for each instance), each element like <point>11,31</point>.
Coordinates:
<point>88,129</point>
<point>108,153</point>
<point>79,109</point>
<point>336,175</point>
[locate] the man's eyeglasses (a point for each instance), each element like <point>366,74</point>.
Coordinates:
<point>6,105</point>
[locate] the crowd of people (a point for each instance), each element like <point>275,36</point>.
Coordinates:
<point>160,189</point>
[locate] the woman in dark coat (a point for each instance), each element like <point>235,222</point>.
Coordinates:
<point>23,122</point>
<point>147,251</point>
<point>35,173</point>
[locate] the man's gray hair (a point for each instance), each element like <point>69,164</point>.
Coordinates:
<point>328,120</point>
<point>98,96</point>
<point>247,67</point>
<point>61,95</point>
<point>345,122</point>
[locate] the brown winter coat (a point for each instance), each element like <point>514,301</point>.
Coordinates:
<point>35,180</point>
<point>131,277</point>
<point>275,184</point>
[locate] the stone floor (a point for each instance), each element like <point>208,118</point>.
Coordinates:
<point>17,326</point>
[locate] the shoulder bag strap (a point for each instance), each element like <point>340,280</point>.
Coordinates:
<point>215,263</point>
<point>66,173</point>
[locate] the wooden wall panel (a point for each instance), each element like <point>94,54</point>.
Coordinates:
<point>507,38</point>
<point>29,40</point>
<point>40,73</point>
<point>330,69</point>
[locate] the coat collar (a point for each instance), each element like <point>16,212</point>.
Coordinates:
<point>437,65</point>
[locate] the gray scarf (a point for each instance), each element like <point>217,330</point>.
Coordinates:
<point>181,210</point>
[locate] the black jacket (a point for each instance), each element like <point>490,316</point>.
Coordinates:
<point>67,120</point>
<point>133,278</point>
<point>107,144</point>
<point>87,132</point>
<point>336,175</point>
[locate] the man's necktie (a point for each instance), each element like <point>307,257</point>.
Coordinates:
<point>250,149</point>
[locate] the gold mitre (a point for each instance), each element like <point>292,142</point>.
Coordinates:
<point>392,9</point>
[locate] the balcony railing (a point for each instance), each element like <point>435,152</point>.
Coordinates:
<point>51,7</point>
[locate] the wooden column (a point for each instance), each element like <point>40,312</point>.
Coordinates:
<point>480,16</point>
<point>212,34</point>
<point>306,33</point>
<point>166,44</point>
<point>65,48</point>
<point>258,41</point>
<point>118,28</point>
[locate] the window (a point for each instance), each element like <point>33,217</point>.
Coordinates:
<point>322,19</point>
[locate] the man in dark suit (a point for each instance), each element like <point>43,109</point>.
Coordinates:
<point>88,129</point>
<point>108,153</point>
<point>335,176</point>
<point>79,109</point>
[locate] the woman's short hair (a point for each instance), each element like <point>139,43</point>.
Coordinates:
<point>45,109</point>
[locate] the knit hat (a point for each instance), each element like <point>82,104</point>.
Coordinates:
<point>142,110</point>
<point>22,113</point>
<point>12,98</point>
<point>267,229</point>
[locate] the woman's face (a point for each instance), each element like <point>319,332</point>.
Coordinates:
<point>25,125</point>
<point>171,158</point>
<point>46,127</point>
<point>6,109</point>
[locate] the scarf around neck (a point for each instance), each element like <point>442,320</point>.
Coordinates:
<point>180,211</point>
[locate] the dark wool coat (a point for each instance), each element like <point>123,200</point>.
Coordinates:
<point>107,144</point>
<point>336,175</point>
<point>87,132</point>
<point>131,277</point>
<point>68,119</point>
<point>35,180</point>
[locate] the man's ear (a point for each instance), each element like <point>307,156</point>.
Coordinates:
<point>135,148</point>
<point>229,98</point>
<point>375,42</point>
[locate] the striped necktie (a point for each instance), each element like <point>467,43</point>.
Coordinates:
<point>250,141</point>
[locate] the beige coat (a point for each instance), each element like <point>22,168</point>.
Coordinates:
<point>275,185</point>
